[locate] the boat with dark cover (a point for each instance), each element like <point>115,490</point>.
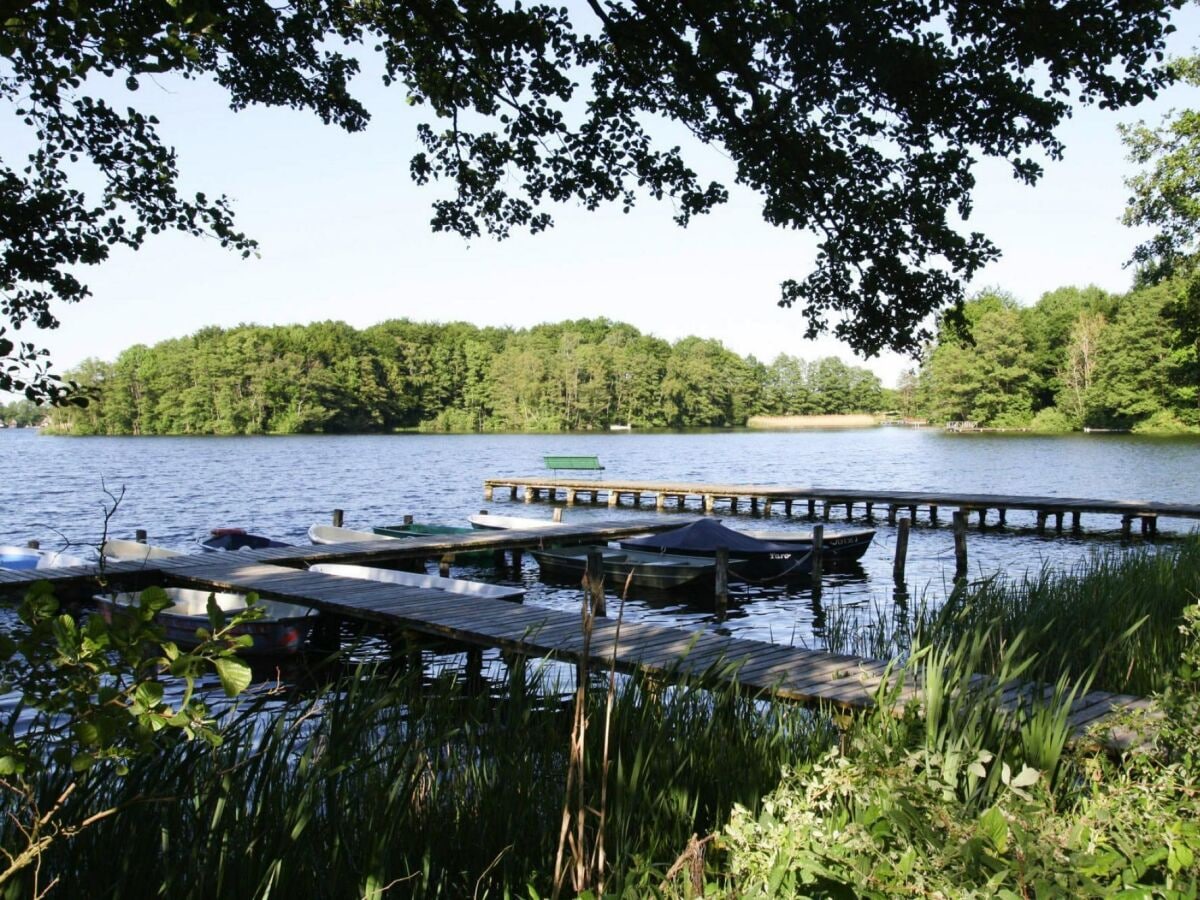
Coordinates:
<point>657,571</point>
<point>750,559</point>
<point>237,539</point>
<point>846,545</point>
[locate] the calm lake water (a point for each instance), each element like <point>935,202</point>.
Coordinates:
<point>179,488</point>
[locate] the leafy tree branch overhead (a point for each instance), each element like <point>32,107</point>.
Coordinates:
<point>858,121</point>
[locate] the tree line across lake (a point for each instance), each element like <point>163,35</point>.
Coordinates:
<point>1079,357</point>
<point>330,377</point>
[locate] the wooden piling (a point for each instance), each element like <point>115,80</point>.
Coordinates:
<point>339,516</point>
<point>558,514</point>
<point>33,545</point>
<point>1075,522</point>
<point>1002,515</point>
<point>787,508</point>
<point>1126,527</point>
<point>870,512</point>
<point>849,512</point>
<point>571,496</point>
<point>721,597</point>
<point>1058,522</point>
<point>901,551</point>
<point>933,511</point>
<point>595,582</point>
<point>960,545</point>
<point>812,508</point>
<point>709,500</point>
<point>818,544</point>
<point>1041,521</point>
<point>891,513</point>
<point>408,520</point>
<point>140,534</point>
<point>444,565</point>
<point>487,493</point>
<point>825,508</point>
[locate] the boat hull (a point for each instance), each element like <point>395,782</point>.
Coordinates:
<point>660,572</point>
<point>836,546</point>
<point>414,579</point>
<point>417,530</point>
<point>285,630</point>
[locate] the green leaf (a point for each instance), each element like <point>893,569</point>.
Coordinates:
<point>994,828</point>
<point>234,674</point>
<point>149,694</point>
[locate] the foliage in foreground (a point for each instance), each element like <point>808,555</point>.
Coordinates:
<point>942,805</point>
<point>427,788</point>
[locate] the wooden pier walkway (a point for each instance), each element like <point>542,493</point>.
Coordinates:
<point>793,673</point>
<point>761,499</point>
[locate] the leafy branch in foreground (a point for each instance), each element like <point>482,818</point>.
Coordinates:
<point>859,123</point>
<point>93,696</point>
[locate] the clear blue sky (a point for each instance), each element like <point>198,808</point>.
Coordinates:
<point>345,235</point>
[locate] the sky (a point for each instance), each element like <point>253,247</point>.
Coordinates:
<point>344,235</point>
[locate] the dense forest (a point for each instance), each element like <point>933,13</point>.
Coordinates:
<point>330,377</point>
<point>1078,358</point>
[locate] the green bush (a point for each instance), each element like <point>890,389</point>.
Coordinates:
<point>1051,420</point>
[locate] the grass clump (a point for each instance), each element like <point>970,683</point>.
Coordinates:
<point>393,786</point>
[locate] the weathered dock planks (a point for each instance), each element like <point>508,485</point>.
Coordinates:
<point>792,673</point>
<point>763,499</point>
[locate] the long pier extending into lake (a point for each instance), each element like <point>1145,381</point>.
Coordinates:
<point>792,673</point>
<point>763,499</point>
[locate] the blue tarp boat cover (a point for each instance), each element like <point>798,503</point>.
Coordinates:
<point>706,536</point>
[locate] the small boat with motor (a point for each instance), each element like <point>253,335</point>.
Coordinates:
<point>20,558</point>
<point>417,579</point>
<point>657,571</point>
<point>846,545</point>
<point>284,630</point>
<point>119,550</point>
<point>220,539</point>
<point>336,534</point>
<point>760,562</point>
<point>516,523</point>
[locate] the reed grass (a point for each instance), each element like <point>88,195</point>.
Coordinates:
<point>1114,617</point>
<point>391,784</point>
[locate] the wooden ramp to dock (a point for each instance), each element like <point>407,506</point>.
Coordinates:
<point>807,676</point>
<point>762,499</point>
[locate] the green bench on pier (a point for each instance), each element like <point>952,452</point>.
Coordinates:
<point>573,463</point>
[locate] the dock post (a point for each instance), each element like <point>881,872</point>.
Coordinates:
<point>498,559</point>
<point>1058,522</point>
<point>932,514</point>
<point>512,492</point>
<point>1002,514</point>
<point>570,496</point>
<point>754,506</point>
<point>721,599</point>
<point>787,508</point>
<point>140,534</point>
<point>338,517</point>
<point>558,514</point>
<point>1126,526</point>
<point>733,505</point>
<point>818,545</point>
<point>530,493</point>
<point>812,508</point>
<point>474,672</point>
<point>912,512</point>
<point>594,582</point>
<point>1149,525</point>
<point>1041,521</point>
<point>660,501</point>
<point>444,564</point>
<point>870,512</point>
<point>891,513</point>
<point>614,497</point>
<point>960,545</point>
<point>901,551</point>
<point>408,520</point>
<point>766,507</point>
<point>825,508</point>
<point>33,545</point>
<point>487,492</point>
<point>850,512</point>
<point>708,503</point>
<point>983,519</point>
<point>1075,521</point>
<point>516,563</point>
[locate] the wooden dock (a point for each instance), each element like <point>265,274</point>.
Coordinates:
<point>792,673</point>
<point>820,502</point>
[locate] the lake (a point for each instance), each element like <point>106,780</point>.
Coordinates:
<point>177,488</point>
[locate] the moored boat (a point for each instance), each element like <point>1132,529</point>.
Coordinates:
<point>486,520</point>
<point>657,571</point>
<point>220,539</point>
<point>335,534</point>
<point>134,551</point>
<point>283,631</point>
<point>761,562</point>
<point>418,529</point>
<point>35,558</point>
<point>417,579</point>
<point>845,545</point>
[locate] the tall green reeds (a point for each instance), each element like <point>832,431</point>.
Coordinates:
<point>1114,616</point>
<point>390,785</point>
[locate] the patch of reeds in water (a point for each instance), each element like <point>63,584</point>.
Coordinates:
<point>1115,616</point>
<point>389,784</point>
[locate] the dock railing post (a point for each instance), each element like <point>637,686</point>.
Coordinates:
<point>338,516</point>
<point>960,545</point>
<point>595,582</point>
<point>818,545</point>
<point>901,550</point>
<point>721,597</point>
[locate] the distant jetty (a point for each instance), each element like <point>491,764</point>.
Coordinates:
<point>809,423</point>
